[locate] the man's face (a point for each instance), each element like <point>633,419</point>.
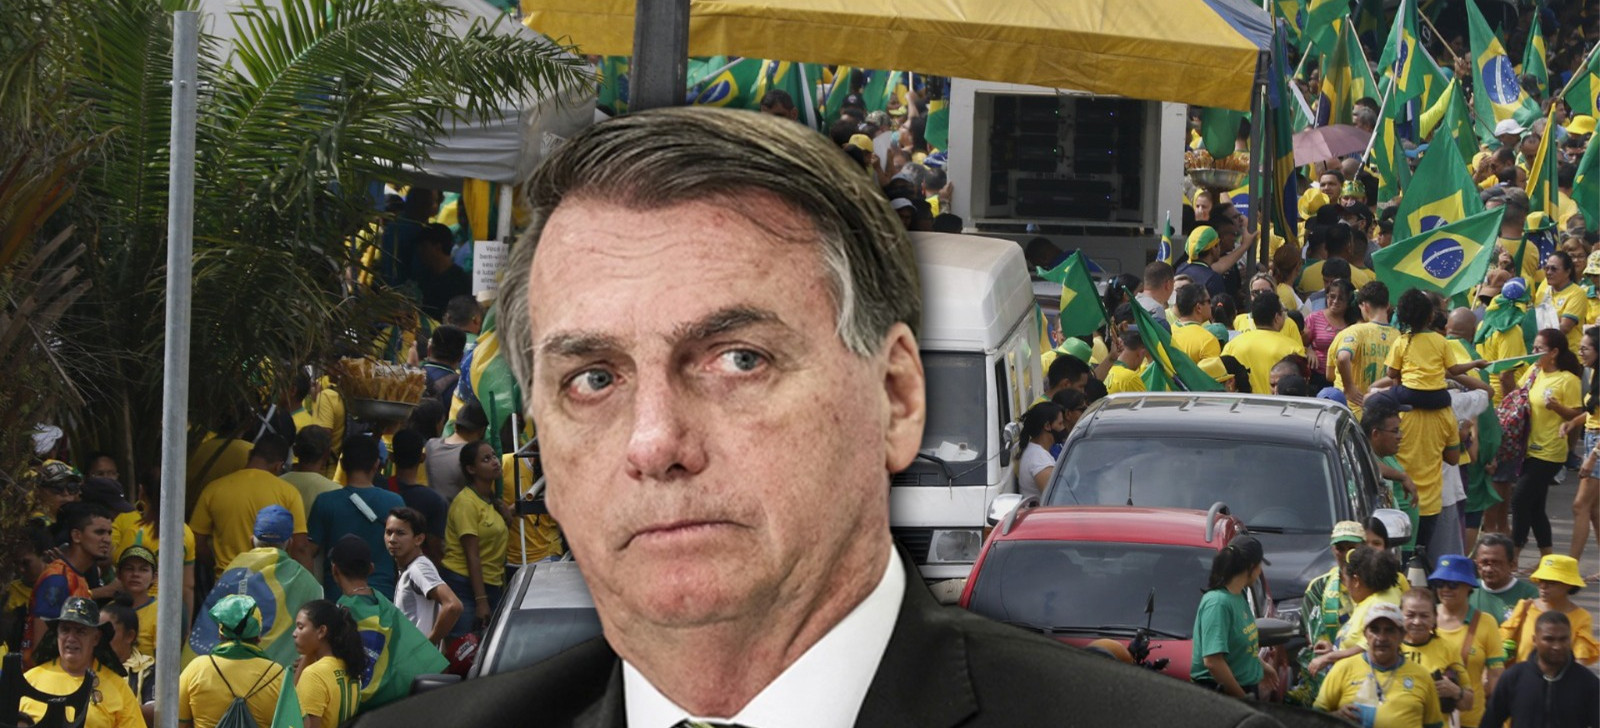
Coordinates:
<point>684,394</point>
<point>76,643</point>
<point>136,575</point>
<point>1553,642</point>
<point>104,467</point>
<point>1383,641</point>
<point>95,538</point>
<point>1329,185</point>
<point>1386,439</point>
<point>1493,566</point>
<point>399,540</point>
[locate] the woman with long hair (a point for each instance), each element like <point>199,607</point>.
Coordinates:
<point>1554,398</point>
<point>476,536</point>
<point>328,673</point>
<point>142,527</point>
<point>1043,426</point>
<point>1586,504</point>
<point>1225,643</point>
<point>1323,326</point>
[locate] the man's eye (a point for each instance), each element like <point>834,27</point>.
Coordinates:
<point>592,381</point>
<point>741,360</point>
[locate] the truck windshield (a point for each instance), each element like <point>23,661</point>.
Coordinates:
<point>1269,486</point>
<point>958,421</point>
<point>1091,588</point>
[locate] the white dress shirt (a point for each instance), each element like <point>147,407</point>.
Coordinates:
<point>822,689</point>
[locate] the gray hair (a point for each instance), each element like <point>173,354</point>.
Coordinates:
<point>666,157</point>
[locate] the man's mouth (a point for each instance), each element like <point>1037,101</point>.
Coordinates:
<point>679,530</point>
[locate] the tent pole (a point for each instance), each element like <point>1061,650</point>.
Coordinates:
<point>660,54</point>
<point>1261,168</point>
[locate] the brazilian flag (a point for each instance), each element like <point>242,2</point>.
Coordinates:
<point>1455,128</point>
<point>1583,91</point>
<point>1533,54</point>
<point>1293,14</point>
<point>1394,172</point>
<point>1170,369</point>
<point>1586,185</point>
<point>1542,187</point>
<point>731,86</point>
<point>1497,92</point>
<point>1081,309</point>
<point>834,103</point>
<point>1325,21</point>
<point>1281,194</point>
<point>614,83</point>
<point>1404,57</point>
<point>489,379</point>
<point>1441,192</point>
<point>796,79</point>
<point>397,652</point>
<point>1346,78</point>
<point>1164,249</point>
<point>1449,259</point>
<point>279,584</point>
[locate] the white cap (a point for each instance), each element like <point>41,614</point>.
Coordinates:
<point>1384,610</point>
<point>900,203</point>
<point>1508,126</point>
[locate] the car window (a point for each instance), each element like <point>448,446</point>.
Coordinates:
<point>532,635</point>
<point>1079,584</point>
<point>1005,391</point>
<point>1269,486</point>
<point>957,428</point>
<point>1366,475</point>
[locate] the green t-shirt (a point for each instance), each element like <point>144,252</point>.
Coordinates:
<point>1401,501</point>
<point>1500,605</point>
<point>1223,625</point>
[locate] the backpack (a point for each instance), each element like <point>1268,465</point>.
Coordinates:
<point>1514,413</point>
<point>238,714</point>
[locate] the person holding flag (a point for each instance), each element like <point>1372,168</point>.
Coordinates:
<point>397,651</point>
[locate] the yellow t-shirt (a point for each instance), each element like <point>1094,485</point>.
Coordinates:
<point>228,507</point>
<point>1258,351</point>
<point>328,691</point>
<point>1291,302</point>
<point>1531,272</point>
<point>203,696</point>
<point>1409,697</point>
<point>1290,330</point>
<point>1584,648</point>
<point>147,626</point>
<point>1191,338</point>
<point>116,708</point>
<point>1123,378</point>
<point>1487,651</point>
<point>471,515</point>
<point>1422,359</point>
<point>129,530</point>
<point>234,457</point>
<point>541,537</point>
<point>1361,276</point>
<point>1439,654</point>
<point>1311,278</point>
<point>1571,303</point>
<point>1424,437</point>
<point>1504,345</point>
<point>1369,344</point>
<point>1545,441</point>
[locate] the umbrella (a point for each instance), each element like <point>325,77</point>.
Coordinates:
<point>1202,52</point>
<point>1329,142</point>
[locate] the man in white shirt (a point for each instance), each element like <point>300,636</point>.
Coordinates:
<point>420,593</point>
<point>708,283</point>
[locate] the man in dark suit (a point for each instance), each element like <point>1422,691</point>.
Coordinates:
<point>717,339</point>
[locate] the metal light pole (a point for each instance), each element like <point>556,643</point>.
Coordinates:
<point>660,54</point>
<point>175,372</point>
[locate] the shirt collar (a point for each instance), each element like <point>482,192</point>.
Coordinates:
<point>824,688</point>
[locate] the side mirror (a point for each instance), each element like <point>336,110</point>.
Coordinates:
<point>1271,631</point>
<point>1003,505</point>
<point>1010,435</point>
<point>424,683</point>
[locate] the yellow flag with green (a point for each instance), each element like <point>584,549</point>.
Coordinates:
<point>1586,184</point>
<point>1394,171</point>
<point>1325,20</point>
<point>1081,309</point>
<point>397,652</point>
<point>1346,77</point>
<point>1449,259</point>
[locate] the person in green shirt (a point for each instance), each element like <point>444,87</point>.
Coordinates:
<point>1501,588</point>
<point>1225,642</point>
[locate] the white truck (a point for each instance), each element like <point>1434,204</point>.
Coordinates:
<point>980,350</point>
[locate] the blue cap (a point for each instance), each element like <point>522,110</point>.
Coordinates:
<point>274,524</point>
<point>1457,568</point>
<point>1514,289</point>
<point>1417,151</point>
<point>1333,394</point>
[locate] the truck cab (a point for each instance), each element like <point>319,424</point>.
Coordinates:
<point>980,340</point>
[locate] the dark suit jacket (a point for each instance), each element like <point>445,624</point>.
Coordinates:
<point>943,667</point>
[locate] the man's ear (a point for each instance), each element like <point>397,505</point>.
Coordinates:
<point>905,392</point>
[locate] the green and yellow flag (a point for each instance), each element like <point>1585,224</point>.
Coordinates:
<point>1441,193</point>
<point>1497,94</point>
<point>1586,185</point>
<point>1164,248</point>
<point>614,83</point>
<point>1583,91</point>
<point>1280,195</point>
<point>280,586</point>
<point>1394,172</point>
<point>733,85</point>
<point>834,103</point>
<point>489,380</point>
<point>1293,14</point>
<point>1170,369</point>
<point>1404,58</point>
<point>1449,259</point>
<point>397,652</point>
<point>1346,77</point>
<point>1533,54</point>
<point>1325,21</point>
<point>1455,126</point>
<point>287,713</point>
<point>1082,312</point>
<point>1543,193</point>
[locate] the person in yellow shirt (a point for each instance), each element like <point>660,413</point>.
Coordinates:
<point>1554,398</point>
<point>236,667</point>
<point>1263,283</point>
<point>75,659</point>
<point>477,532</point>
<point>136,569</point>
<point>1381,688</point>
<point>1422,645</point>
<point>1569,300</point>
<point>142,527</point>
<point>1190,335</point>
<point>1261,348</point>
<point>215,457</point>
<point>1360,353</point>
<point>1557,579</point>
<point>540,537</point>
<point>1500,335</point>
<point>225,516</point>
<point>327,675</point>
<point>1124,374</point>
<point>1471,632</point>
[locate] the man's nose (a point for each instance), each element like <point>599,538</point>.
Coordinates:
<point>665,440</point>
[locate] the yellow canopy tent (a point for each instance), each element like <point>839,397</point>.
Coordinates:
<point>1203,52</point>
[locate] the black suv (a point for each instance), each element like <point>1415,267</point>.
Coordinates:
<point>1289,467</point>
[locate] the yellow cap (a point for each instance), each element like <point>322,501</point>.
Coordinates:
<point>1200,240</point>
<point>1581,124</point>
<point>1561,569</point>
<point>861,141</point>
<point>1593,266</point>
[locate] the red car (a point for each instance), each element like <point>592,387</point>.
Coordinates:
<point>1081,573</point>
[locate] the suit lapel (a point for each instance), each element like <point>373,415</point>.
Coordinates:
<point>607,712</point>
<point>923,679</point>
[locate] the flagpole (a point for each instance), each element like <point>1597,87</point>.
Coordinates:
<point>1373,140</point>
<point>1453,57</point>
<point>805,90</point>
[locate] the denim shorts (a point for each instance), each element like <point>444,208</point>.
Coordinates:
<point>1590,439</point>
